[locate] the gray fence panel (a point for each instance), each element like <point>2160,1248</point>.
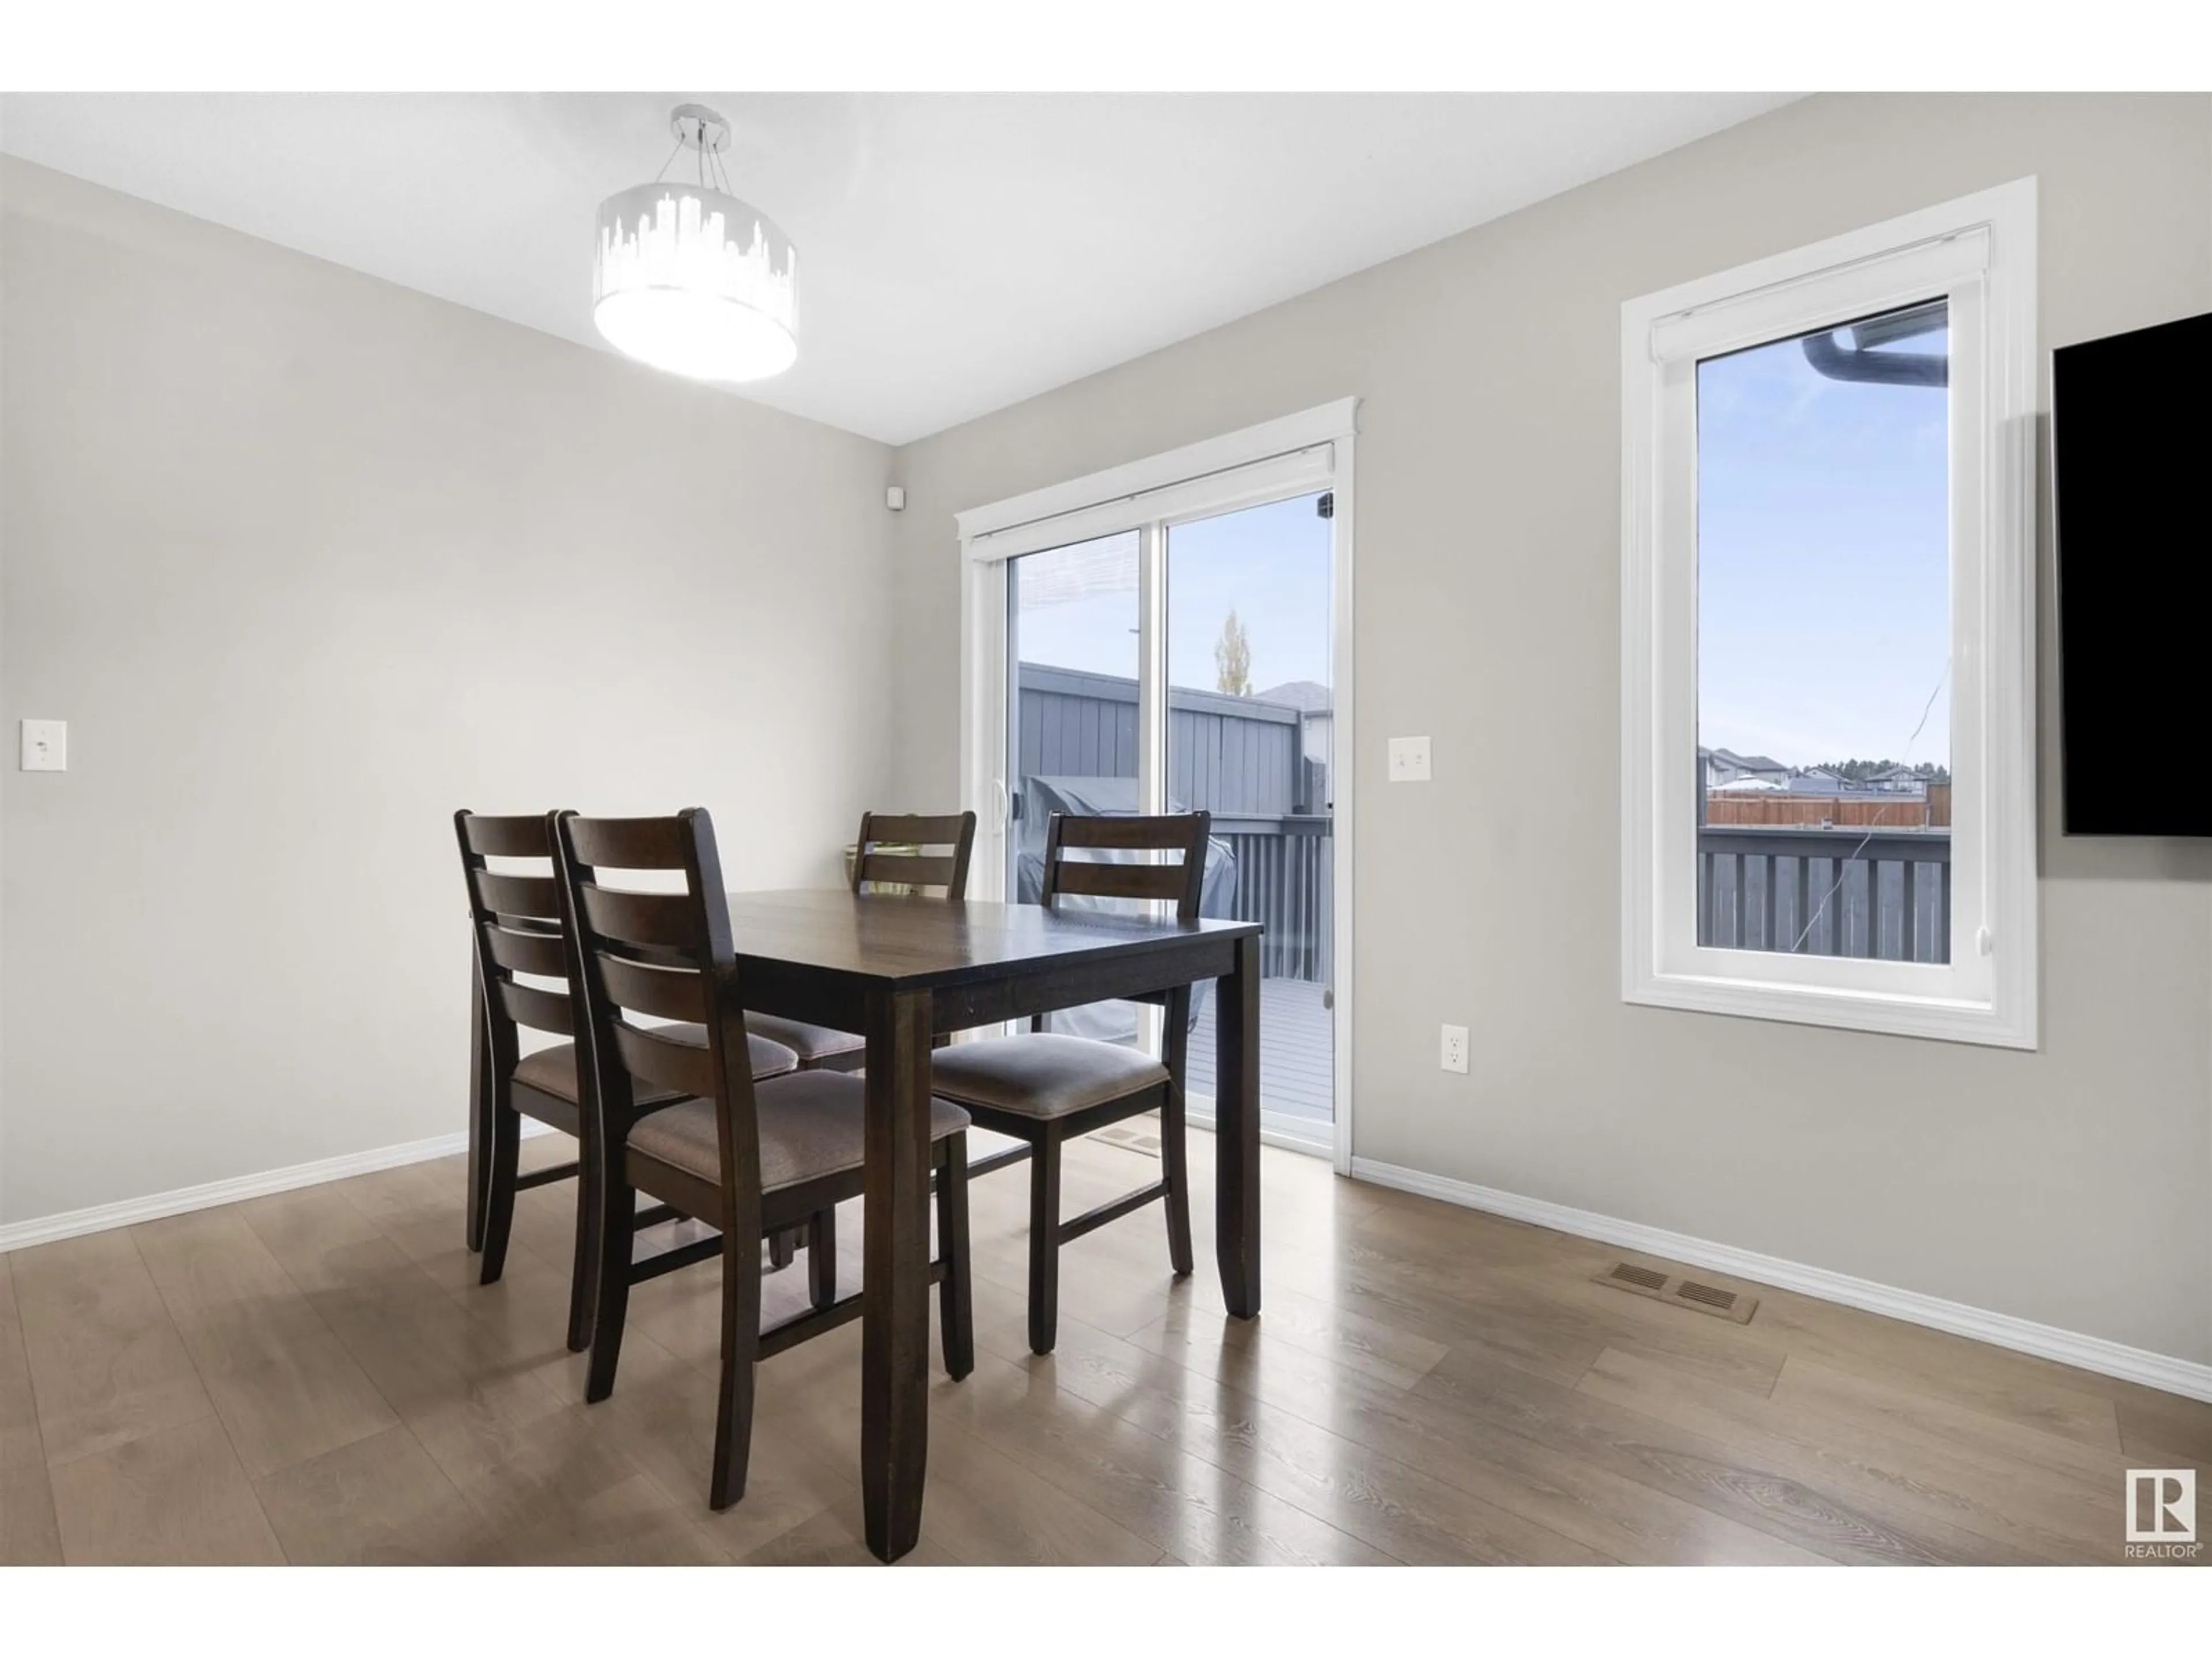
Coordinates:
<point>1757,883</point>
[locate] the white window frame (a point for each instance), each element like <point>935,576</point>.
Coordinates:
<point>1311,450</point>
<point>1978,252</point>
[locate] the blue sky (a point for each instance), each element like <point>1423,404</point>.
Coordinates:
<point>1271,565</point>
<point>1823,561</point>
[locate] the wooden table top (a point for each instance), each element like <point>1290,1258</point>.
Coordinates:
<point>914,943</point>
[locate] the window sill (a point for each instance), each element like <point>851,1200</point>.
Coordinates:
<point>1937,1019</point>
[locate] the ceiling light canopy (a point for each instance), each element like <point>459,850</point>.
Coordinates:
<point>691,280</point>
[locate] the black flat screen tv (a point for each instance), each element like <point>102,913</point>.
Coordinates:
<point>2131,446</point>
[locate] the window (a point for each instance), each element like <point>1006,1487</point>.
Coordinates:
<point>1827,632</point>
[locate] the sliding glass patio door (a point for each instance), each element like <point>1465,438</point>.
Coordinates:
<point>1187,664</point>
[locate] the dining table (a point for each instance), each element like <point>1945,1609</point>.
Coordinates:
<point>901,971</point>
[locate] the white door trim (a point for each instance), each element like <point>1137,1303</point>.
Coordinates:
<point>1306,429</point>
<point>1310,450</point>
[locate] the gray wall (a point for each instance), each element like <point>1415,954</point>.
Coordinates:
<point>2068,1186</point>
<point>307,561</point>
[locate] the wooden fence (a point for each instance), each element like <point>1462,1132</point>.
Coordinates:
<point>1775,808</point>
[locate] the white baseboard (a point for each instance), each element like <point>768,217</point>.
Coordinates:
<point>2090,1354</point>
<point>44,1229</point>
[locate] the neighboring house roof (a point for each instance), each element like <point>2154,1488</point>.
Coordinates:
<point>1304,696</point>
<point>1808,784</point>
<point>1729,757</point>
<point>1752,781</point>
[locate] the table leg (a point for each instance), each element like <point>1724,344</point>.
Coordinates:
<point>894,1310</point>
<point>480,1106</point>
<point>1236,1131</point>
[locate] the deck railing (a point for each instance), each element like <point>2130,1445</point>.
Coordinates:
<point>1285,881</point>
<point>1839,892</point>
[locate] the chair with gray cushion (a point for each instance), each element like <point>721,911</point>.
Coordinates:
<point>747,1159</point>
<point>515,913</point>
<point>1044,1089</point>
<point>894,853</point>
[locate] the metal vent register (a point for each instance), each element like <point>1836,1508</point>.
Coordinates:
<point>1682,1292</point>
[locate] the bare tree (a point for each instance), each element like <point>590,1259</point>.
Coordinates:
<point>1232,659</point>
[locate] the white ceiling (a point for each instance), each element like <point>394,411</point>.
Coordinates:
<point>958,252</point>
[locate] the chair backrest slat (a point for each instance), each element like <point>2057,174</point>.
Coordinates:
<point>875,861</point>
<point>522,836</point>
<point>1124,881</point>
<point>631,843</point>
<point>670,920</point>
<point>663,993</point>
<point>545,955</point>
<point>504,894</point>
<point>667,955</point>
<point>1122,832</point>
<point>1175,884</point>
<point>541,1011</point>
<point>685,1067</point>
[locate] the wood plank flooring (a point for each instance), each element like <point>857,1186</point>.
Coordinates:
<point>317,1377</point>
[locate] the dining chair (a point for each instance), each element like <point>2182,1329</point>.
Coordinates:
<point>744,1157</point>
<point>516,916</point>
<point>892,851</point>
<point>1044,1088</point>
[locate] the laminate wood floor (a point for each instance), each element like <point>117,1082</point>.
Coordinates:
<point>317,1377</point>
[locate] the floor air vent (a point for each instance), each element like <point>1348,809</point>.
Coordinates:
<point>1129,1137</point>
<point>1683,1292</point>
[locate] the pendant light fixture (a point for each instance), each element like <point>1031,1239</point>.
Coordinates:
<point>689,278</point>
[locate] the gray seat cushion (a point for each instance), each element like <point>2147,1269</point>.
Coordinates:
<point>1042,1075</point>
<point>810,1043</point>
<point>811,1124</point>
<point>553,1071</point>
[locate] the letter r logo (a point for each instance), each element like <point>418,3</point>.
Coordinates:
<point>2161,1506</point>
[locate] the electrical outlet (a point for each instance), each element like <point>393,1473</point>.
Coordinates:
<point>1455,1049</point>
<point>1409,760</point>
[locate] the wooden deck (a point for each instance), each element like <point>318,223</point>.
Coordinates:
<point>1298,1050</point>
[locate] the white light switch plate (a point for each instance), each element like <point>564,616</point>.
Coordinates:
<point>46,746</point>
<point>1409,760</point>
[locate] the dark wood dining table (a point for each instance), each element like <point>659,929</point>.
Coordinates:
<point>900,970</point>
